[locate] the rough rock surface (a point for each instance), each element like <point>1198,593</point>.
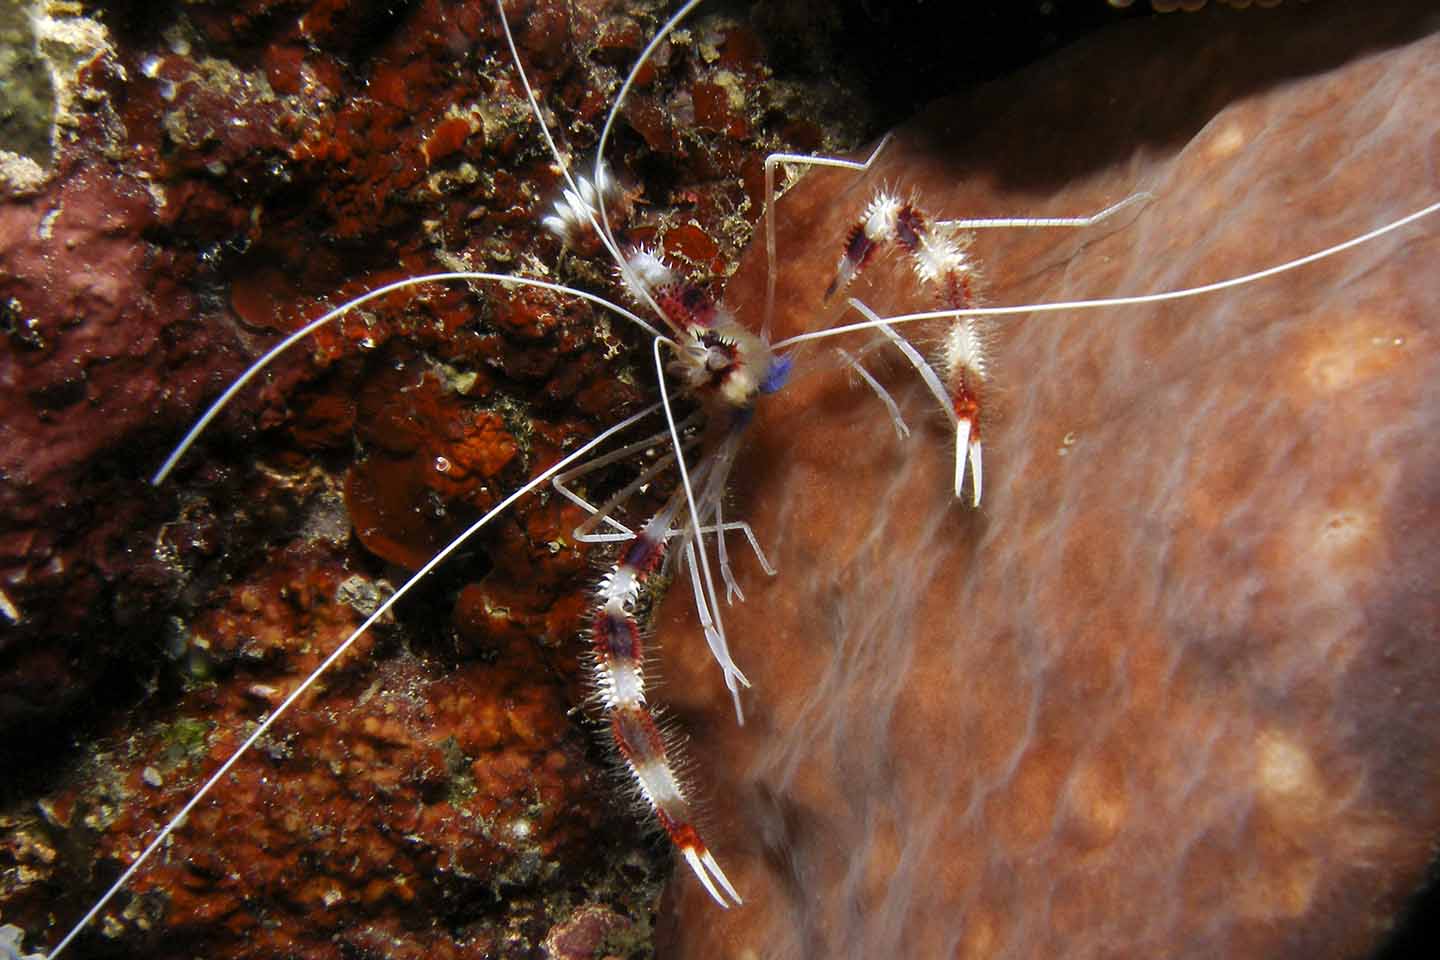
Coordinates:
<point>1174,689</point>
<point>220,173</point>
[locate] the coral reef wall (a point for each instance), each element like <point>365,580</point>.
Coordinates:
<point>1174,689</point>
<point>205,177</point>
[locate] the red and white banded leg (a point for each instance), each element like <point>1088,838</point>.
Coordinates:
<point>618,650</point>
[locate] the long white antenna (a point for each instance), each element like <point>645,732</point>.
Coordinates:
<point>715,638</point>
<point>345,308</point>
<point>771,162</point>
<point>601,227</point>
<point>1116,301</point>
<point>660,35</point>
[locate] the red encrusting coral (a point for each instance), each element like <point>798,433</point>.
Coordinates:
<point>407,784</point>
<point>237,170</point>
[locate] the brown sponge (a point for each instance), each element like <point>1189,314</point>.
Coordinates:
<point>1174,689</point>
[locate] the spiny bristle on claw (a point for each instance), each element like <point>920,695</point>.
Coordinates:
<point>937,252</point>
<point>963,349</point>
<point>881,215</point>
<point>647,272</point>
<point>875,228</point>
<point>577,211</point>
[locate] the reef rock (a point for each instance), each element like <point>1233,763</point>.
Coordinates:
<point>213,175</point>
<point>1173,689</point>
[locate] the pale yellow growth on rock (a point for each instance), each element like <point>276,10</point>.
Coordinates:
<point>1285,770</point>
<point>1353,349</point>
<point>1225,141</point>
